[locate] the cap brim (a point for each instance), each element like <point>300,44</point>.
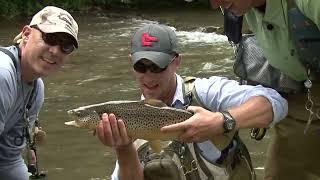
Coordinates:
<point>54,29</point>
<point>159,58</point>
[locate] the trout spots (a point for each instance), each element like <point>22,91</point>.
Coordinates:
<point>143,119</point>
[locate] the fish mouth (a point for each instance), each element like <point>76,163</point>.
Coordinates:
<point>73,115</point>
<point>71,112</point>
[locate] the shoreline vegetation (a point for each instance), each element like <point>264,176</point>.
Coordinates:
<point>146,9</point>
<point>153,10</point>
<point>23,8</point>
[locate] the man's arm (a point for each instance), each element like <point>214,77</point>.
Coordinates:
<point>6,95</point>
<point>255,113</point>
<point>250,106</point>
<point>129,165</point>
<point>204,124</point>
<point>112,132</point>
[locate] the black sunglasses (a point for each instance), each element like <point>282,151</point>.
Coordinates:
<point>142,68</point>
<point>65,43</point>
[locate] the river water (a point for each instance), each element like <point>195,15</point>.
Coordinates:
<point>99,71</point>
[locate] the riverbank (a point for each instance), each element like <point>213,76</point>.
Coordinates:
<point>186,18</point>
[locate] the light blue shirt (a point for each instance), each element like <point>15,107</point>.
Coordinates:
<point>14,94</point>
<point>220,93</point>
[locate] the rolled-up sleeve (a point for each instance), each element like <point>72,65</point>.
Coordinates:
<point>220,93</point>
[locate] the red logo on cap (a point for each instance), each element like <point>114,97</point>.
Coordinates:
<point>146,40</point>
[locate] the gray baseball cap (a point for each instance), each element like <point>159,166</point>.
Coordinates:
<point>157,43</point>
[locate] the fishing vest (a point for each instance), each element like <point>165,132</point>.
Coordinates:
<point>182,161</point>
<point>306,37</point>
<point>253,68</point>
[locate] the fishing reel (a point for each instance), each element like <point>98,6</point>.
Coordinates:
<point>258,133</point>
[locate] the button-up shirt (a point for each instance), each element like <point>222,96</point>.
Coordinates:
<point>219,93</point>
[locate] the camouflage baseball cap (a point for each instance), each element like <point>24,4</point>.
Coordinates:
<point>157,43</point>
<point>52,20</point>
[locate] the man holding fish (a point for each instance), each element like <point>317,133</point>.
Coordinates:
<point>225,108</point>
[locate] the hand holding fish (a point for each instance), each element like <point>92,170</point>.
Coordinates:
<point>202,126</point>
<point>112,132</point>
<point>143,120</point>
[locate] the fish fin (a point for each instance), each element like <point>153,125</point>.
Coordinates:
<point>154,102</point>
<point>155,146</point>
<point>222,141</point>
<point>71,123</point>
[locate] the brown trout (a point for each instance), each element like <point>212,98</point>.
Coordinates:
<point>143,119</point>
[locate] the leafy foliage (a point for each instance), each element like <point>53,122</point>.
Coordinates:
<point>13,8</point>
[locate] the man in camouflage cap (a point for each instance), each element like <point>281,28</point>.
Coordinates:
<point>40,49</point>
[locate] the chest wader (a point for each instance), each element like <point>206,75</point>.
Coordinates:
<point>173,163</point>
<point>229,158</point>
<point>31,147</point>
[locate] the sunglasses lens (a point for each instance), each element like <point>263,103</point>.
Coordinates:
<point>67,48</point>
<point>66,45</point>
<point>142,68</point>
<point>139,67</point>
<point>53,39</point>
<point>155,69</point>
<point>49,39</point>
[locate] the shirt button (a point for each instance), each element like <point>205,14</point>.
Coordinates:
<point>269,27</point>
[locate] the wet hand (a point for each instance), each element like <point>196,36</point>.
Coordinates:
<point>202,126</point>
<point>112,132</point>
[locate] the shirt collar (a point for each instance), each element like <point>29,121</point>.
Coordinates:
<point>178,95</point>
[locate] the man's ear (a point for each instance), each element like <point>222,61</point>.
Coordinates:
<point>26,31</point>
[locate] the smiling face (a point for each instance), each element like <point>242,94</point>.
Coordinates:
<point>160,85</point>
<point>238,7</point>
<point>39,59</point>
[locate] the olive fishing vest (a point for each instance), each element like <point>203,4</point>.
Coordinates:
<point>305,35</point>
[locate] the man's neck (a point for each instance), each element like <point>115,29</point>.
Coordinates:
<point>169,98</point>
<point>262,8</point>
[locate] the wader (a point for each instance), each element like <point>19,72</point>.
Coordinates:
<point>292,154</point>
